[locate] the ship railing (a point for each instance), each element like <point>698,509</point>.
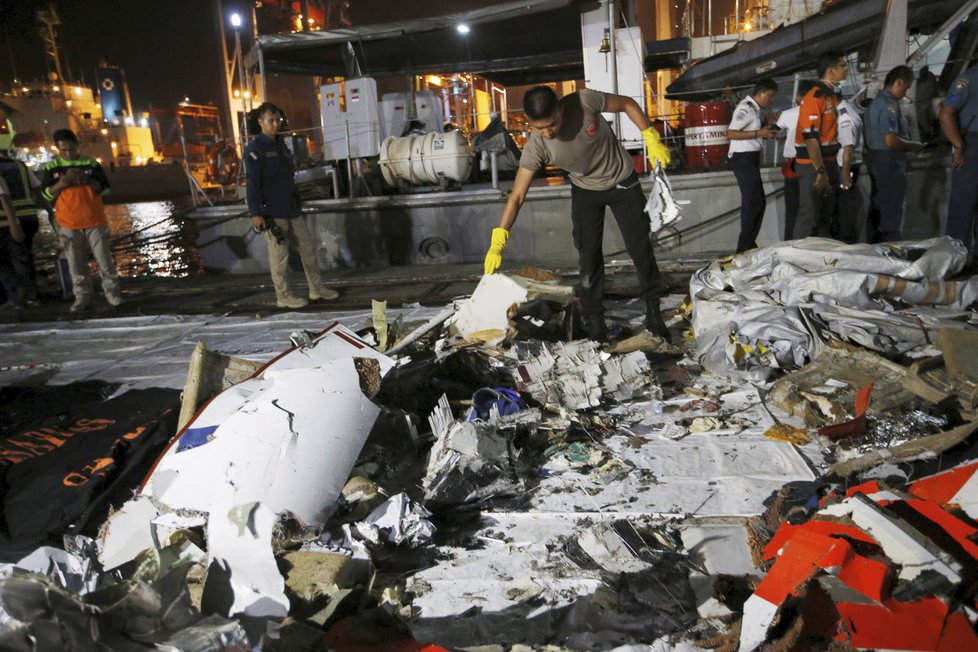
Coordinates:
<point>670,126</point>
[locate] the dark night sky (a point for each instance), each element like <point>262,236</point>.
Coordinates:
<point>169,48</point>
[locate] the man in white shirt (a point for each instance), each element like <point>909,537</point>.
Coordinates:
<point>850,159</point>
<point>788,123</point>
<point>746,135</point>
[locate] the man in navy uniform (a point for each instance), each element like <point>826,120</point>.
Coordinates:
<point>887,144</point>
<point>959,120</point>
<point>276,209</point>
<point>746,140</point>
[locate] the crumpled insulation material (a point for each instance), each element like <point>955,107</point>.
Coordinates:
<point>771,308</point>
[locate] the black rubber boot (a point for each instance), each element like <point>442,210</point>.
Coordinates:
<point>596,328</point>
<point>654,322</point>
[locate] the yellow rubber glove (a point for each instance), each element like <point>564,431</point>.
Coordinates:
<point>656,150</point>
<point>494,257</point>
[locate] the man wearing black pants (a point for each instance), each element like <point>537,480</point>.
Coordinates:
<point>572,134</point>
<point>959,121</point>
<point>818,147</point>
<point>887,144</point>
<point>627,203</point>
<point>845,226</point>
<point>746,140</point>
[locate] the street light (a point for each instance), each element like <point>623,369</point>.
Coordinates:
<point>464,30</point>
<point>236,23</point>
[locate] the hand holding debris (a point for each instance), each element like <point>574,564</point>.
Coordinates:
<point>494,257</point>
<point>658,153</point>
<point>663,210</point>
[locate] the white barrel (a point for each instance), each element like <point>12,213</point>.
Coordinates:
<point>427,158</point>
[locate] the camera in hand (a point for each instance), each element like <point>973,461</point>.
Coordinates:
<point>274,229</point>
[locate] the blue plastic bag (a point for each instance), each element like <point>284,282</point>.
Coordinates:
<point>507,401</point>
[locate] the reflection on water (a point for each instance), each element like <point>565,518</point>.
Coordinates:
<point>154,239</point>
<point>148,239</point>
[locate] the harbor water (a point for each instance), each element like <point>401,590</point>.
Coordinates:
<point>149,239</point>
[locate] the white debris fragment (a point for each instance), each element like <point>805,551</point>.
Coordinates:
<point>166,525</point>
<point>485,312</point>
<point>758,616</point>
<point>441,418</point>
<point>399,520</point>
<point>907,547</point>
<point>576,375</point>
<point>127,532</point>
<point>626,376</point>
<point>471,462</point>
<point>239,539</point>
<point>64,568</point>
<point>662,209</point>
<point>773,307</point>
<point>705,424</point>
<point>609,551</point>
<point>566,374</point>
<point>282,441</point>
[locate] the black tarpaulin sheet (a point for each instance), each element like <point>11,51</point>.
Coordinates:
<point>58,471</point>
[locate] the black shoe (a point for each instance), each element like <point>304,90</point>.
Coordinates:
<point>596,328</point>
<point>654,322</point>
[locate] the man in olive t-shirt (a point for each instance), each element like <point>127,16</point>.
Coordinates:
<point>571,134</point>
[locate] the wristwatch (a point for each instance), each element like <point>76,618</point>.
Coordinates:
<point>820,170</point>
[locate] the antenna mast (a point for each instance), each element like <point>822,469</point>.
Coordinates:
<point>49,20</point>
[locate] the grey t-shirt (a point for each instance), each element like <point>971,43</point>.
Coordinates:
<point>587,147</point>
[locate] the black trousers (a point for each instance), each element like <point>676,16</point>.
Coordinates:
<point>746,167</point>
<point>846,225</point>
<point>16,269</point>
<point>627,204</point>
<point>815,209</point>
<point>962,208</point>
<point>888,172</point>
<point>790,206</point>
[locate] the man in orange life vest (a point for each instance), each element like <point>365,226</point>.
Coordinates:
<point>818,144</point>
<point>75,185</point>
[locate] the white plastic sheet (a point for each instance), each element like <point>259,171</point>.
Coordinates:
<point>154,351</point>
<point>773,307</point>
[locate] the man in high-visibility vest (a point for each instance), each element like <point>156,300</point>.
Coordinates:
<point>75,185</point>
<point>18,224</point>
